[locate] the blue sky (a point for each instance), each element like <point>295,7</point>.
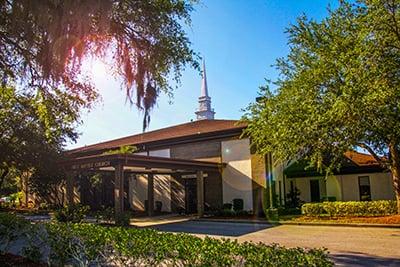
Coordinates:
<point>240,40</point>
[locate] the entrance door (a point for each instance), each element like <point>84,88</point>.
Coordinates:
<point>191,196</point>
<point>314,189</point>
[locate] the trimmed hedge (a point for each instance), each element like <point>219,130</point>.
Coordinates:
<point>87,244</point>
<point>350,208</point>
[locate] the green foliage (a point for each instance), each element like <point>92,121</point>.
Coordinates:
<point>227,206</point>
<point>125,149</point>
<point>122,219</point>
<point>337,90</point>
<point>44,45</point>
<point>328,198</point>
<point>105,214</point>
<point>91,243</point>
<point>238,204</point>
<point>282,211</point>
<point>350,208</point>
<point>34,129</point>
<point>293,199</point>
<point>32,253</point>
<point>71,213</point>
<point>87,244</point>
<point>313,209</point>
<point>12,227</point>
<point>272,214</point>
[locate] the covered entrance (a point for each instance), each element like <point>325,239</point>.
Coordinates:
<point>120,169</point>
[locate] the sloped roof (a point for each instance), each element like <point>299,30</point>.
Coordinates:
<point>361,159</point>
<point>353,162</point>
<point>194,128</point>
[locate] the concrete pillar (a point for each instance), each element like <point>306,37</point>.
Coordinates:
<point>70,188</point>
<point>200,193</point>
<point>119,188</point>
<point>150,194</point>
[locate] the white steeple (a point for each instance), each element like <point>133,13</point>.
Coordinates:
<point>205,112</point>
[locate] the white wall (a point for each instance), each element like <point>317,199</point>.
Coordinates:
<point>303,184</point>
<point>236,177</point>
<point>333,188</point>
<point>139,192</point>
<point>165,153</point>
<point>162,191</point>
<point>346,187</point>
<point>380,183</point>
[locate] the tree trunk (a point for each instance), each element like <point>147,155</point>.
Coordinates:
<point>395,169</point>
<point>3,176</point>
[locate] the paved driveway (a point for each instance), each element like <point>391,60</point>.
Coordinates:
<point>348,246</point>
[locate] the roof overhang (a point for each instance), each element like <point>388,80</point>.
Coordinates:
<point>105,161</point>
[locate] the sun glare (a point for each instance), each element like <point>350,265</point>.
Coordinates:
<point>95,68</point>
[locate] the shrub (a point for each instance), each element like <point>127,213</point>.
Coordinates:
<point>293,198</point>
<point>122,219</point>
<point>105,214</point>
<point>328,198</point>
<point>272,214</point>
<point>313,209</point>
<point>288,211</point>
<point>350,208</point>
<point>82,244</point>
<point>32,253</point>
<point>238,204</point>
<point>71,213</point>
<point>227,206</point>
<point>12,227</point>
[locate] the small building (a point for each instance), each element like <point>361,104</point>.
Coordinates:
<point>360,178</point>
<point>198,166</point>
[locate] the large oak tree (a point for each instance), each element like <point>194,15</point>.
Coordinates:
<point>338,90</point>
<point>43,43</point>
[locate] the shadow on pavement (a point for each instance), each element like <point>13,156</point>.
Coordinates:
<point>355,259</point>
<point>212,228</point>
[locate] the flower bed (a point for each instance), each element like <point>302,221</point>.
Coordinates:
<point>87,244</point>
<point>350,208</point>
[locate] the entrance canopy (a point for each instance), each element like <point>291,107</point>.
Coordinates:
<point>139,163</point>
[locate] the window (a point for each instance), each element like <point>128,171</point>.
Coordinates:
<point>365,188</point>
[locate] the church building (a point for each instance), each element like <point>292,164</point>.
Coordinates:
<point>198,166</point>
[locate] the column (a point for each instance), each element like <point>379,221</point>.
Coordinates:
<point>119,189</point>
<point>200,193</point>
<point>150,194</point>
<point>70,188</point>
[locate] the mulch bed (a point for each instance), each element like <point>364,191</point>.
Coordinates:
<point>393,219</point>
<point>8,260</point>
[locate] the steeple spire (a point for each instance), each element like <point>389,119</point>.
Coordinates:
<point>204,88</point>
<point>205,112</point>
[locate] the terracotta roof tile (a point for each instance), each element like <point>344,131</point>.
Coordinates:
<point>181,130</point>
<point>361,159</point>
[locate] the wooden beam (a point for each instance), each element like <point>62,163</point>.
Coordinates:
<point>70,188</point>
<point>119,189</point>
<point>200,193</point>
<point>150,194</point>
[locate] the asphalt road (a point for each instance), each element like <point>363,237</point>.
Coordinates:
<point>348,246</point>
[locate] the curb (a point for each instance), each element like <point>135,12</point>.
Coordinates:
<point>371,225</point>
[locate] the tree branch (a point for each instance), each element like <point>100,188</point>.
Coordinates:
<point>380,160</point>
